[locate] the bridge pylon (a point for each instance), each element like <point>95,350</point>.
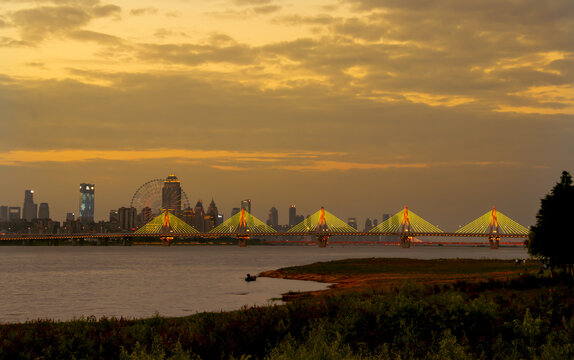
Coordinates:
<point>494,238</point>
<point>166,229</point>
<point>322,229</point>
<point>405,229</point>
<point>242,230</point>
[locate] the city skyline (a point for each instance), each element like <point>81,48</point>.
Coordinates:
<point>166,198</point>
<point>359,106</point>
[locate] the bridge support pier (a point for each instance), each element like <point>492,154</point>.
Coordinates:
<point>242,240</point>
<point>166,240</point>
<point>405,242</point>
<point>126,241</point>
<point>494,242</point>
<point>322,240</point>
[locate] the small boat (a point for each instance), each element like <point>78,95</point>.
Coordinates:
<point>250,277</point>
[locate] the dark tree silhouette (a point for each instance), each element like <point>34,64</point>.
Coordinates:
<point>551,239</point>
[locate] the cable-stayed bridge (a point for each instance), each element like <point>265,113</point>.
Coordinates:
<point>405,225</point>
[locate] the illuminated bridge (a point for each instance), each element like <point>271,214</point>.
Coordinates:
<point>405,226</point>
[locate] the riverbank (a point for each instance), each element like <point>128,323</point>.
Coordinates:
<point>384,274</point>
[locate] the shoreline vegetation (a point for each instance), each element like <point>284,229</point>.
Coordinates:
<point>383,274</point>
<point>375,309</point>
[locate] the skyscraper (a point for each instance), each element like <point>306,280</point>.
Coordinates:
<point>14,213</point>
<point>246,204</point>
<point>368,225</point>
<point>3,213</point>
<point>273,218</point>
<point>235,211</point>
<point>171,195</point>
<point>87,192</point>
<point>213,214</point>
<point>44,211</point>
<point>127,218</point>
<point>292,216</point>
<point>352,223</point>
<point>30,210</point>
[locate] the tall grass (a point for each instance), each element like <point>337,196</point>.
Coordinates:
<point>527,318</point>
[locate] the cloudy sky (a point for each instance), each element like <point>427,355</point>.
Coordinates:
<point>361,106</point>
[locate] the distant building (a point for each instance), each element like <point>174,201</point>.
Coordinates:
<point>70,216</point>
<point>235,211</point>
<point>87,193</point>
<point>3,213</point>
<point>213,214</point>
<point>45,226</point>
<point>352,223</point>
<point>30,210</point>
<point>246,204</point>
<point>127,218</point>
<point>273,218</point>
<point>299,219</point>
<point>292,216</point>
<point>171,195</point>
<point>202,221</point>
<point>14,213</point>
<point>368,225</point>
<point>44,211</point>
<point>114,217</point>
<point>198,217</point>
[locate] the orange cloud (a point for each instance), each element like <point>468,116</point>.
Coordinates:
<point>18,157</point>
<point>344,166</point>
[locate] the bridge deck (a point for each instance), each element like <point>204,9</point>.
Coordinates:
<point>269,234</point>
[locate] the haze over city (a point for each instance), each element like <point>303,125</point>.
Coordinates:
<point>360,106</point>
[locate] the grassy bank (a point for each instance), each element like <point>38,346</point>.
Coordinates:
<point>381,274</point>
<point>524,317</point>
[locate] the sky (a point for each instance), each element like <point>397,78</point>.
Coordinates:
<point>448,107</point>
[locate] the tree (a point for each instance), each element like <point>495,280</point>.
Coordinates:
<point>551,238</point>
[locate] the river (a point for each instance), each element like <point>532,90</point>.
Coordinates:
<point>63,283</point>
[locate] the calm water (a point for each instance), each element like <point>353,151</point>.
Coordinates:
<point>69,282</point>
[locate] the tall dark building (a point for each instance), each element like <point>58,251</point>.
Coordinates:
<point>292,216</point>
<point>273,218</point>
<point>235,211</point>
<point>368,225</point>
<point>14,213</point>
<point>70,216</point>
<point>352,223</point>
<point>3,213</point>
<point>246,204</point>
<point>127,218</point>
<point>44,211</point>
<point>87,193</point>
<point>213,214</point>
<point>30,210</point>
<point>114,219</point>
<point>171,195</point>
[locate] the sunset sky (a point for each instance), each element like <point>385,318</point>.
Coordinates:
<point>362,106</point>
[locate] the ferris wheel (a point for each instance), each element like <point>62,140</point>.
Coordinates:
<point>150,195</point>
